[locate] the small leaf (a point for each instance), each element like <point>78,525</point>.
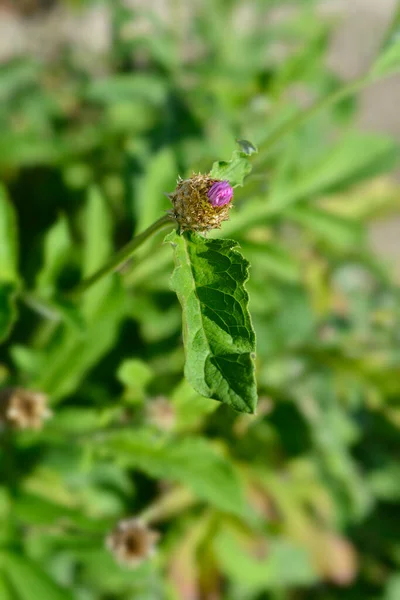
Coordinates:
<point>237,168</point>
<point>246,147</point>
<point>218,334</point>
<point>134,374</point>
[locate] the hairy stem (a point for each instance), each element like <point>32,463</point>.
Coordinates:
<point>122,255</point>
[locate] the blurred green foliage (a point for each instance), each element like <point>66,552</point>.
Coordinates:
<point>298,502</point>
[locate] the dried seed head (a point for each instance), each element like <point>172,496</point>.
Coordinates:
<point>23,409</point>
<point>201,203</point>
<point>161,413</point>
<point>132,542</point>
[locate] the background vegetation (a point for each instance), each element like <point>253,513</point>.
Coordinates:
<point>297,502</point>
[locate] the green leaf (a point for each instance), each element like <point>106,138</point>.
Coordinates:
<point>9,280</point>
<point>284,564</point>
<point>134,374</point>
<point>8,311</point>
<point>355,158</point>
<point>219,339</point>
<point>8,239</point>
<point>57,245</point>
<point>392,591</point>
<point>191,408</point>
<point>191,461</point>
<point>273,259</point>
<point>150,199</point>
<point>246,147</point>
<point>98,247</point>
<point>128,87</point>
<point>237,168</point>
<point>29,581</point>
<point>340,232</point>
<point>5,592</point>
<point>76,354</point>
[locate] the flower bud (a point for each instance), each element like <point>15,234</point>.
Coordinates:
<point>132,542</point>
<point>201,203</point>
<point>23,409</point>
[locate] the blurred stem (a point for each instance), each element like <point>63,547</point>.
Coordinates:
<point>299,118</point>
<point>347,90</point>
<point>393,27</point>
<point>170,504</point>
<point>122,255</point>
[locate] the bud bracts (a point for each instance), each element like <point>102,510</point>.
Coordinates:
<point>201,203</point>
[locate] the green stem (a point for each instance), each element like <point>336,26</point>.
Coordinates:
<point>122,255</point>
<point>299,118</point>
<point>347,90</point>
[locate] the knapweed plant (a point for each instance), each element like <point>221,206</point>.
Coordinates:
<point>209,279</point>
<point>149,448</point>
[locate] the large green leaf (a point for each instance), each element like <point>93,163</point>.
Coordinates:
<point>218,334</point>
<point>191,461</point>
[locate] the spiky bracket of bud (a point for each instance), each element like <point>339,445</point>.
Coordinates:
<point>201,203</point>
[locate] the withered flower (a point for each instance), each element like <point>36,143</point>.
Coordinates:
<point>201,203</point>
<point>161,413</point>
<point>23,409</point>
<point>132,542</point>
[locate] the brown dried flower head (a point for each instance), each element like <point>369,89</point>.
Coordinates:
<point>201,203</point>
<point>23,409</point>
<point>161,413</point>
<point>132,542</point>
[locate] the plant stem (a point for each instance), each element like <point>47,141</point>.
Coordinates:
<point>299,118</point>
<point>122,255</point>
<point>347,90</point>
